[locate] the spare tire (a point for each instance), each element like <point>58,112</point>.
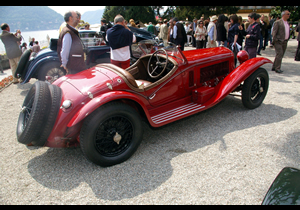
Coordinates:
<point>22,63</point>
<point>34,113</point>
<point>56,96</point>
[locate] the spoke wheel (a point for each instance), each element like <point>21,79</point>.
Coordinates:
<point>55,73</point>
<point>34,113</point>
<point>255,88</point>
<point>26,110</point>
<point>52,69</point>
<point>111,134</point>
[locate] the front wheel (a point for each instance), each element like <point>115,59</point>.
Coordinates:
<point>111,134</point>
<point>255,88</point>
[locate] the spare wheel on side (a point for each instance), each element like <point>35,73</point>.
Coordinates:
<point>56,96</point>
<point>34,113</point>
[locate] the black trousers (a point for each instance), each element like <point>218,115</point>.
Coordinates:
<point>200,44</point>
<point>180,41</point>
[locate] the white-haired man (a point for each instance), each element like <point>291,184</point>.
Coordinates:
<point>120,39</point>
<point>281,35</point>
<point>212,32</point>
<point>69,45</point>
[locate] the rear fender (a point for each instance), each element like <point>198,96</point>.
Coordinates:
<point>100,100</point>
<point>235,78</point>
<point>34,66</point>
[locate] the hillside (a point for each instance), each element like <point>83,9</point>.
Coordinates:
<point>92,17</point>
<point>30,18</point>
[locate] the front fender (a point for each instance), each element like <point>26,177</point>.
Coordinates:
<point>36,65</point>
<point>96,102</point>
<point>235,78</point>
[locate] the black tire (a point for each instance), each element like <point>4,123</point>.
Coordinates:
<point>22,63</point>
<point>255,88</point>
<point>56,96</point>
<point>104,127</point>
<point>34,113</point>
<point>52,69</point>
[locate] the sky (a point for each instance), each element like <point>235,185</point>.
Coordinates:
<point>82,9</point>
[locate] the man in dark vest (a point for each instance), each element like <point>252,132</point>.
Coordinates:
<point>69,45</point>
<point>179,33</point>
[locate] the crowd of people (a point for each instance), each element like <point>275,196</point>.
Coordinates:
<point>252,35</point>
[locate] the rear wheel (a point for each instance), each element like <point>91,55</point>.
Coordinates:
<point>255,88</point>
<point>52,69</point>
<point>22,64</point>
<point>111,134</point>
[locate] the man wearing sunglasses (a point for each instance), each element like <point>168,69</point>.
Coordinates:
<point>281,35</point>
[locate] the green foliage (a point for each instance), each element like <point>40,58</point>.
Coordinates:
<point>190,12</point>
<point>148,13</point>
<point>294,10</point>
<point>142,13</point>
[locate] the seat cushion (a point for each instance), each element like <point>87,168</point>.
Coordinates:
<point>140,81</point>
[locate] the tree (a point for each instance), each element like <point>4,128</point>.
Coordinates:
<point>169,13</point>
<point>190,12</point>
<point>142,13</point>
<point>294,10</point>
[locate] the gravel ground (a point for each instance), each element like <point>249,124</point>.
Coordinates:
<point>225,155</point>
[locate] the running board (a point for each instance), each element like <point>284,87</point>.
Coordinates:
<point>176,113</point>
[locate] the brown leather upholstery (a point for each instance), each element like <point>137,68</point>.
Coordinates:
<point>125,74</point>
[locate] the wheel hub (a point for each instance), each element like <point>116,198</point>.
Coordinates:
<point>117,138</point>
<point>261,89</point>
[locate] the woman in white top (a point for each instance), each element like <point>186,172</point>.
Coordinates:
<point>200,34</point>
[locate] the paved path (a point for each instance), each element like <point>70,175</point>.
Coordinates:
<point>225,155</point>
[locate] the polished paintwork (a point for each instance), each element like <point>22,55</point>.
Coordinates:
<point>285,189</point>
<point>170,101</point>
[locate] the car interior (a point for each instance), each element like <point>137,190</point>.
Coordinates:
<point>137,76</point>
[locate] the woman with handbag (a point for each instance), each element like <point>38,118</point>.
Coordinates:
<point>200,34</point>
<point>233,34</point>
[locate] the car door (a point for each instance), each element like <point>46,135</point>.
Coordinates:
<point>169,91</point>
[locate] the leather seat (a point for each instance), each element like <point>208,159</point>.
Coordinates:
<point>125,74</point>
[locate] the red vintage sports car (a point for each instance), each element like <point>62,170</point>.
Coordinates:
<point>101,108</point>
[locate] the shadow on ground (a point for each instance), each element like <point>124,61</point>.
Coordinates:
<point>150,166</point>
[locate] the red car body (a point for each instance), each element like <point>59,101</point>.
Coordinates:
<point>172,100</point>
<point>196,81</point>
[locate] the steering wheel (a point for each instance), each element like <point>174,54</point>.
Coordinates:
<point>155,64</point>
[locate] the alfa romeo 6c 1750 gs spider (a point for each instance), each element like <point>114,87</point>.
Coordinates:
<point>101,108</point>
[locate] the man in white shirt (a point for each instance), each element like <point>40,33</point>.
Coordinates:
<point>120,39</point>
<point>69,45</point>
<point>212,32</point>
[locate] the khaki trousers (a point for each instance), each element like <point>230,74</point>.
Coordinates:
<point>280,48</point>
<point>13,66</point>
<point>209,44</point>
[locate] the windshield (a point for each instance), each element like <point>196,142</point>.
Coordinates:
<point>150,46</point>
